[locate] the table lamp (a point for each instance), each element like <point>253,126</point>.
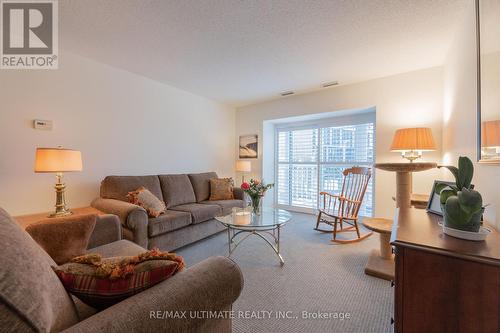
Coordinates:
<point>490,135</point>
<point>58,160</point>
<point>243,166</point>
<point>411,142</point>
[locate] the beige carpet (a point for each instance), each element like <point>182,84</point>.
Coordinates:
<point>318,276</point>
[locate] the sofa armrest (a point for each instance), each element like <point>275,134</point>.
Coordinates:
<point>131,216</point>
<point>211,285</point>
<point>107,230</point>
<point>238,193</point>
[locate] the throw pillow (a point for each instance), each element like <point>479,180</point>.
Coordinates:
<point>101,283</point>
<point>144,198</point>
<point>221,189</point>
<point>65,237</point>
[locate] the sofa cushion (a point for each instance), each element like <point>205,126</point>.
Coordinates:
<point>200,212</point>
<point>226,205</point>
<point>169,221</point>
<point>84,311</point>
<point>63,238</point>
<point>117,187</point>
<point>201,184</point>
<point>28,286</point>
<point>177,190</point>
<point>116,249</point>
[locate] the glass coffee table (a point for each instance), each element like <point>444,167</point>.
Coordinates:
<point>267,223</point>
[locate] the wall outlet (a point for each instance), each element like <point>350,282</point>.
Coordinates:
<point>45,125</point>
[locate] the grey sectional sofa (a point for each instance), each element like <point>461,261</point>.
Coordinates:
<point>32,299</point>
<point>190,216</point>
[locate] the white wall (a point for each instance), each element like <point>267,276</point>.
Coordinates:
<point>123,124</point>
<point>459,116</point>
<point>405,100</point>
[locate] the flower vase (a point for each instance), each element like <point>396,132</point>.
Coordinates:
<point>256,204</point>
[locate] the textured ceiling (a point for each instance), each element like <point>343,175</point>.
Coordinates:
<point>240,52</point>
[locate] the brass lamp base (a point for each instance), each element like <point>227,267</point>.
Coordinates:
<point>411,155</point>
<point>61,209</point>
<point>61,213</point>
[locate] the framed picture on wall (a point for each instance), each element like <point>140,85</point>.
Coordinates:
<point>249,146</point>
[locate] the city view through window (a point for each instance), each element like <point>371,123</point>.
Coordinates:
<point>310,160</point>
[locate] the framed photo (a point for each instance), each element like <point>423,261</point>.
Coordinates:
<point>249,145</point>
<point>434,205</point>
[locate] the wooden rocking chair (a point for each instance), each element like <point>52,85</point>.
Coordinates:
<point>344,207</point>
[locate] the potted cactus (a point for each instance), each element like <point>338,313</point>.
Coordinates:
<point>462,206</point>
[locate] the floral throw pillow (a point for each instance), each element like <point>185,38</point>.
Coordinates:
<point>101,283</point>
<point>144,198</point>
<point>221,189</point>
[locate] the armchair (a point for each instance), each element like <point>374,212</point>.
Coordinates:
<point>32,299</point>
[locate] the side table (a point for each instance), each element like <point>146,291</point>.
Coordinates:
<point>419,201</point>
<point>107,228</point>
<point>381,262</point>
<point>403,179</point>
<point>25,220</point>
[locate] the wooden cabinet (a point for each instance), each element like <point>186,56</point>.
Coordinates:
<point>443,284</point>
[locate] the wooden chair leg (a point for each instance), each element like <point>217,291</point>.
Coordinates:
<point>335,229</point>
<point>317,222</point>
<point>357,229</point>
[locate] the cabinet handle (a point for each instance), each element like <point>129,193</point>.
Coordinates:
<point>392,283</point>
<point>392,321</point>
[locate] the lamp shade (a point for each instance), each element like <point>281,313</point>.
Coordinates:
<point>243,166</point>
<point>57,160</point>
<point>419,138</point>
<point>490,134</point>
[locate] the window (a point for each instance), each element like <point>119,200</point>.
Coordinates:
<point>312,158</point>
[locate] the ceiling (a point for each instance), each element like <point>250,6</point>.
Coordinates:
<point>241,52</point>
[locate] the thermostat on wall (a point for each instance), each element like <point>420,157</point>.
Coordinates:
<point>42,124</point>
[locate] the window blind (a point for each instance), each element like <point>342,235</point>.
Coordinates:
<point>312,159</point>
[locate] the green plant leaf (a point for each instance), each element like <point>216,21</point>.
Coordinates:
<point>454,171</point>
<point>454,212</point>
<point>465,171</point>
<point>470,201</point>
<point>445,194</point>
<point>439,187</point>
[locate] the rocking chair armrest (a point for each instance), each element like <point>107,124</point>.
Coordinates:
<point>332,195</point>
<point>353,201</point>
<point>341,198</point>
